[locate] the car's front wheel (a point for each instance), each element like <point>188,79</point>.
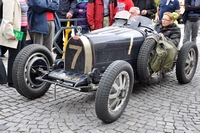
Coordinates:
<point>114,91</point>
<point>31,62</point>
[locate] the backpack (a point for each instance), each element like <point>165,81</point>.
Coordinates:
<point>164,57</point>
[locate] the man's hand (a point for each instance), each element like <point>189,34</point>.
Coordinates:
<point>156,18</point>
<point>162,36</point>
<point>69,15</point>
<point>144,12</point>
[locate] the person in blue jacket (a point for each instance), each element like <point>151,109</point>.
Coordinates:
<point>167,6</point>
<point>43,21</point>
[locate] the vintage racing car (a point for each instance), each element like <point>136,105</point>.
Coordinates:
<point>109,61</point>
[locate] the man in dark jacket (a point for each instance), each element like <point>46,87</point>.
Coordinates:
<point>99,11</point>
<point>65,11</point>
<point>147,7</point>
<point>192,7</point>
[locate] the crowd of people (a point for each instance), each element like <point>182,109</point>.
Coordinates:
<point>41,19</point>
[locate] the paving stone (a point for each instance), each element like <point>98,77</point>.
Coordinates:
<point>45,131</point>
<point>2,122</point>
<point>141,130</point>
<point>122,128</point>
<point>3,128</point>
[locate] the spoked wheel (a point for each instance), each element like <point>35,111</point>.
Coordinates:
<point>31,62</point>
<point>187,62</point>
<point>145,56</point>
<point>114,91</point>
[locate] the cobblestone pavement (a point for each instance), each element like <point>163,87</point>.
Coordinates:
<point>171,108</point>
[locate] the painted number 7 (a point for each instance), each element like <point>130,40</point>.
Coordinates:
<point>78,51</point>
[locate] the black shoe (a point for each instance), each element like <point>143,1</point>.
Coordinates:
<point>11,85</point>
<point>2,55</point>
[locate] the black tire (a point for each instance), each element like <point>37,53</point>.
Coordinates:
<point>27,66</point>
<point>187,62</point>
<point>117,70</point>
<point>145,55</point>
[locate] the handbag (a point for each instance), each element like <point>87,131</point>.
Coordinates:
<point>193,19</point>
<point>185,16</point>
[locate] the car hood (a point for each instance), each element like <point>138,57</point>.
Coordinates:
<point>115,34</point>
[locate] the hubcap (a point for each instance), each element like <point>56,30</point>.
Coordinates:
<point>37,63</point>
<point>190,62</point>
<point>119,92</point>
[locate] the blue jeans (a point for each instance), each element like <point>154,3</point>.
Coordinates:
<point>191,31</point>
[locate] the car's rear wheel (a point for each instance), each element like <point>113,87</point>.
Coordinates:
<point>30,63</point>
<point>114,91</point>
<point>187,62</point>
<point>145,56</point>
